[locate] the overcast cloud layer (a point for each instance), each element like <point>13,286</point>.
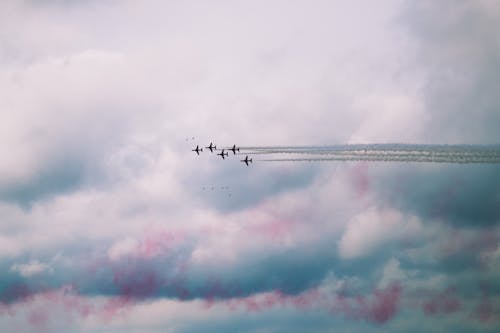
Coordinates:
<point>109,222</point>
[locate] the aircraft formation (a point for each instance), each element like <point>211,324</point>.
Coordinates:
<point>386,152</point>
<point>223,153</point>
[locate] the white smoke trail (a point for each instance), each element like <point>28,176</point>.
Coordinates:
<point>382,152</point>
<point>377,147</point>
<point>398,157</point>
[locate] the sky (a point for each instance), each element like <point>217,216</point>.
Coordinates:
<point>110,223</point>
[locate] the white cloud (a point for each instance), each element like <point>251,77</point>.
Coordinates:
<point>369,230</point>
<point>9,246</point>
<point>391,273</point>
<point>389,119</point>
<point>30,269</point>
<point>122,248</point>
<point>116,87</point>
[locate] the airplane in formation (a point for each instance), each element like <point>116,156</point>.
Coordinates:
<point>222,154</point>
<point>246,160</point>
<point>197,150</point>
<point>234,149</point>
<point>212,147</point>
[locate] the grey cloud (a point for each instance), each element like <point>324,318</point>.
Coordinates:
<point>457,46</point>
<point>69,119</point>
<point>63,177</point>
<point>246,186</point>
<point>157,277</point>
<point>288,270</point>
<point>291,272</point>
<point>456,49</point>
<point>274,321</point>
<point>259,74</point>
<point>459,195</point>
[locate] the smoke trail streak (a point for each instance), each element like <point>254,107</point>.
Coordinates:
<point>443,158</point>
<point>375,152</point>
<point>376,147</point>
<point>388,153</point>
<point>381,152</point>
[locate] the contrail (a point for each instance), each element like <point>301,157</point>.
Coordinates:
<point>378,147</point>
<point>435,158</point>
<point>371,152</point>
<point>382,152</point>
<point>413,156</point>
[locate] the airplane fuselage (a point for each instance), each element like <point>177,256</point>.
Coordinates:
<point>246,160</point>
<point>197,150</point>
<point>222,154</point>
<point>234,149</point>
<point>211,147</point>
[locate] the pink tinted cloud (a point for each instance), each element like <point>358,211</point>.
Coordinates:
<point>444,302</point>
<point>61,304</point>
<point>113,307</point>
<point>156,242</point>
<point>274,230</point>
<point>360,179</point>
<point>479,243</point>
<point>17,291</point>
<point>484,311</point>
<point>379,308</point>
<point>137,282</point>
<point>134,283</point>
<point>38,317</point>
<point>385,303</point>
<point>215,290</point>
<point>136,273</point>
<point>42,305</point>
<point>261,302</point>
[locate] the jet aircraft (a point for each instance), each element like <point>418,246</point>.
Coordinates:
<point>222,154</point>
<point>212,147</point>
<point>234,149</point>
<point>246,160</point>
<point>197,150</point>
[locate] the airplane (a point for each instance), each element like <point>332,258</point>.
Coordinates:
<point>246,160</point>
<point>211,147</point>
<point>197,150</point>
<point>221,154</point>
<point>234,149</point>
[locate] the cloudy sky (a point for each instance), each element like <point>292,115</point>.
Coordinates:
<point>110,223</point>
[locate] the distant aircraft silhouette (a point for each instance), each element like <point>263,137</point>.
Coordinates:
<point>246,160</point>
<point>234,149</point>
<point>197,150</point>
<point>211,147</point>
<point>221,154</point>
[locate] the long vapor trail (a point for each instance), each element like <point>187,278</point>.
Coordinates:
<point>380,152</point>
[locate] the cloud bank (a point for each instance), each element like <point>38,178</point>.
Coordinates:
<point>109,222</point>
